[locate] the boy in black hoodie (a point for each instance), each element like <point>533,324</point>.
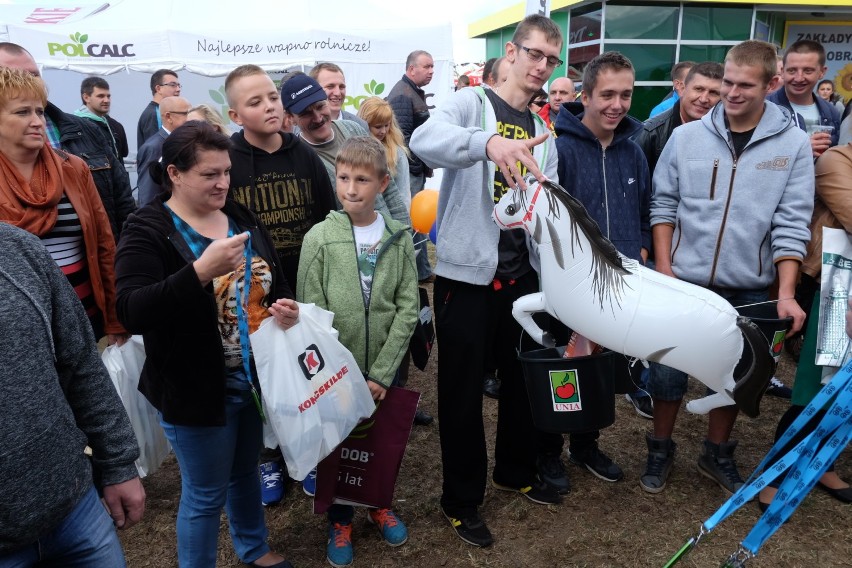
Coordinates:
<point>283,181</point>
<point>273,173</point>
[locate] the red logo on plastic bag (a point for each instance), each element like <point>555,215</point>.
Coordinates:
<point>311,361</point>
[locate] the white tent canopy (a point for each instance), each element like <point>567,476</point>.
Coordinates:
<point>126,40</point>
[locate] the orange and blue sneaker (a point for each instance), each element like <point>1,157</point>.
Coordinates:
<point>392,529</point>
<point>339,549</point>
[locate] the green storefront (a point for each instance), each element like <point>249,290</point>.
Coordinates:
<point>656,34</point>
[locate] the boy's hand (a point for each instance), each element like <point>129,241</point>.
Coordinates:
<point>377,390</point>
<point>286,312</point>
<point>507,153</point>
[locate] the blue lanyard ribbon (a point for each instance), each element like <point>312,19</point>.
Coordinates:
<point>242,299</point>
<point>806,466</point>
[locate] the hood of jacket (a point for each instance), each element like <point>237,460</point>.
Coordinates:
<point>242,146</point>
<point>775,120</point>
<point>570,117</point>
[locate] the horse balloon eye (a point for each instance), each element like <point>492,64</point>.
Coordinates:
<point>510,210</point>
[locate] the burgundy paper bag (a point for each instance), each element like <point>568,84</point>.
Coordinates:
<point>363,469</point>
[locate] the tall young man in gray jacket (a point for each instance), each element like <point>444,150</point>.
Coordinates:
<point>487,141</point>
<point>732,200</point>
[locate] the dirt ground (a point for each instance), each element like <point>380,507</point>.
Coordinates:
<point>599,524</point>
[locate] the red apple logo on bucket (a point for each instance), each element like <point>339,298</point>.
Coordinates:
<point>565,391</point>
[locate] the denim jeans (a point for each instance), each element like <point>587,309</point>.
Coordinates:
<point>85,538</point>
<point>218,467</point>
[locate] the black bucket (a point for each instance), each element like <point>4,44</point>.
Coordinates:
<point>765,316</point>
<point>570,395</point>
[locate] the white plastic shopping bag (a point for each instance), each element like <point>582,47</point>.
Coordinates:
<point>125,366</point>
<point>313,391</point>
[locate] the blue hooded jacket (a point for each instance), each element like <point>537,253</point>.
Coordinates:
<point>613,183</point>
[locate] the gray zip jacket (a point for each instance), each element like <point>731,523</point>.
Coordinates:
<point>454,138</point>
<point>735,218</point>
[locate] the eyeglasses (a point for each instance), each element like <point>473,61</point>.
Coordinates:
<point>539,103</point>
<point>176,85</point>
<point>537,55</point>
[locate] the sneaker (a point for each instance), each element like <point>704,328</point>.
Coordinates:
<point>309,484</point>
<point>271,483</point>
<point>539,492</point>
<point>552,471</point>
<point>660,461</point>
<point>717,462</point>
<point>642,404</point>
<point>422,418</point>
<point>339,549</point>
<point>779,389</point>
<point>392,529</point>
<point>471,529</point>
<point>491,386</point>
<point>598,463</point>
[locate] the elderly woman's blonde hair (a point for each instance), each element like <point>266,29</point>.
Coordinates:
<point>212,116</point>
<point>16,83</point>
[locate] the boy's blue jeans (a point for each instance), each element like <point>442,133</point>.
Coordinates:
<point>218,467</point>
<point>85,538</point>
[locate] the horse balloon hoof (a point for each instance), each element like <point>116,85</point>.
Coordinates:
<point>750,388</point>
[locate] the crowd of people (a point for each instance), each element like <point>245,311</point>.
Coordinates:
<point>726,186</point>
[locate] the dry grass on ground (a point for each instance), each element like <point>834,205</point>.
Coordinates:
<point>599,524</point>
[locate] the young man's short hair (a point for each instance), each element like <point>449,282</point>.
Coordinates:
<point>363,152</point>
<point>535,22</point>
<point>89,84</point>
<point>247,70</point>
<point>606,61</point>
<point>806,46</point>
<point>681,69</point>
<point>157,78</point>
<point>755,53</point>
<point>325,66</point>
<point>709,69</point>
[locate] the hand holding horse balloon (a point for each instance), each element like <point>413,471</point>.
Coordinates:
<point>507,153</point>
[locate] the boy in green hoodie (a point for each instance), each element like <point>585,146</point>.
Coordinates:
<point>359,264</point>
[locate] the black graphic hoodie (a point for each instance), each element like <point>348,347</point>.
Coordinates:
<point>288,190</point>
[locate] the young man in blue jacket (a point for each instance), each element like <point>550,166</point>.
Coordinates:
<point>601,166</point>
<point>732,201</point>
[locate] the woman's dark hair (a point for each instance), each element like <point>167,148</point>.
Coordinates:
<point>181,149</point>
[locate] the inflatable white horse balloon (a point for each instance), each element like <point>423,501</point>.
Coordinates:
<point>616,302</point>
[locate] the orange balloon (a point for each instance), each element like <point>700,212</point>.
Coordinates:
<point>424,210</point>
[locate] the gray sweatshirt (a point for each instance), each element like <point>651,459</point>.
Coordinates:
<point>454,138</point>
<point>55,397</point>
<point>734,218</point>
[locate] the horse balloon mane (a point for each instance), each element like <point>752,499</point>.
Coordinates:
<point>618,303</point>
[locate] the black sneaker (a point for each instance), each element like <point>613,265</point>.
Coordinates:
<point>643,405</point>
<point>539,492</point>
<point>491,386</point>
<point>471,529</point>
<point>423,418</point>
<point>778,389</point>
<point>717,462</point>
<point>552,471</point>
<point>598,464</point>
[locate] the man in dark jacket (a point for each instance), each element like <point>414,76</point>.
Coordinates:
<point>408,101</point>
<point>82,138</point>
<point>701,92</point>
<point>803,67</point>
<point>602,167</point>
<point>97,101</point>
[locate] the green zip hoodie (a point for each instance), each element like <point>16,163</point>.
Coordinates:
<point>378,333</point>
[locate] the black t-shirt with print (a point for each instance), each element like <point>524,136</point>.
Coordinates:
<point>741,140</point>
<point>513,257</point>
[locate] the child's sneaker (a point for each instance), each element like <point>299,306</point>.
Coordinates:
<point>309,484</point>
<point>339,549</point>
<point>392,529</point>
<point>271,484</point>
